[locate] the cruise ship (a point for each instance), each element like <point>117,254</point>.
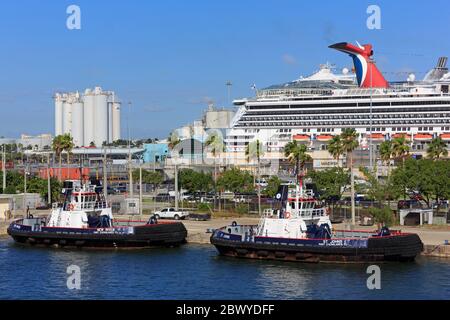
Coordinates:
<point>314,109</point>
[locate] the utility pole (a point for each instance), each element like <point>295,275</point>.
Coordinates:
<point>49,189</point>
<point>352,182</point>
<point>176,187</point>
<point>229,84</point>
<point>130,171</point>
<point>140,189</point>
<point>4,167</point>
<point>105,176</point>
<point>130,174</point>
<point>370,129</point>
<point>25,186</point>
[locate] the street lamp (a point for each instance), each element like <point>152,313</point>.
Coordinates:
<point>4,167</point>
<point>229,84</point>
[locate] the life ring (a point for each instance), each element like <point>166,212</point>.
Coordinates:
<point>71,206</point>
<point>287,215</point>
<point>234,224</point>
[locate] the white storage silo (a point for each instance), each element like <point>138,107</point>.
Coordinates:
<point>77,121</point>
<point>110,123</point>
<point>101,117</point>
<point>67,115</point>
<point>88,116</point>
<point>58,114</point>
<point>115,121</point>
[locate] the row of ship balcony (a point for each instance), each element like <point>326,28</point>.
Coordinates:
<point>377,137</point>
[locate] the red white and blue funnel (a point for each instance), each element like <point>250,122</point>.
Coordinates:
<point>367,73</point>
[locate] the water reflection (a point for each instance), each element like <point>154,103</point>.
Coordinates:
<point>197,272</point>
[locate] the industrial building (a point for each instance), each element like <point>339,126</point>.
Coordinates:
<point>90,118</point>
<point>38,142</point>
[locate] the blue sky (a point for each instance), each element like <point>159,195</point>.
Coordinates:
<point>170,57</point>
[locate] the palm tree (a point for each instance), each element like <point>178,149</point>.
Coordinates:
<point>297,154</point>
<point>400,148</point>
<point>216,145</point>
<point>350,142</point>
<point>386,153</point>
<point>58,148</point>
<point>437,148</point>
<point>335,147</point>
<point>254,150</point>
<point>68,146</point>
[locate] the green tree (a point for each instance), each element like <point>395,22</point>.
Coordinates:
<point>236,180</point>
<point>330,183</point>
<point>38,185</point>
<point>437,148</point>
<point>382,216</point>
<point>297,154</point>
<point>400,148</point>
<point>68,146</point>
<point>386,153</point>
<point>254,150</point>
<point>58,145</point>
<point>273,184</point>
<point>336,148</point>
<point>216,146</point>
<point>379,191</point>
<point>149,176</point>
<point>194,181</point>
<point>430,178</point>
<point>350,142</point>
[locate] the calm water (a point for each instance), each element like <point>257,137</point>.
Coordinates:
<point>196,272</point>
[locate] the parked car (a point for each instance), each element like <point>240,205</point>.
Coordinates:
<point>120,188</point>
<point>170,213</point>
<point>409,204</point>
<point>163,197</point>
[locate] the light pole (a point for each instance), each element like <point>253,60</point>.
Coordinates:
<point>176,187</point>
<point>25,186</point>
<point>105,175</point>
<point>370,127</point>
<point>130,170</point>
<point>229,84</point>
<point>140,188</point>
<point>49,189</point>
<point>4,167</point>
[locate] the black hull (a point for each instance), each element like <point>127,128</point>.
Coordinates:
<point>400,248</point>
<point>160,235</point>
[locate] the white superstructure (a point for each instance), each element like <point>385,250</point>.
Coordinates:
<point>312,110</point>
<point>90,118</point>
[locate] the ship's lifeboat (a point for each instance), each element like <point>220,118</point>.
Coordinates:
<point>377,136</point>
<point>423,136</point>
<point>324,137</point>
<point>399,135</point>
<point>445,136</point>
<point>301,137</point>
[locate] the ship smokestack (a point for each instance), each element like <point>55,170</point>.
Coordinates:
<point>367,73</point>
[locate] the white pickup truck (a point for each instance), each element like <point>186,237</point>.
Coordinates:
<point>170,213</point>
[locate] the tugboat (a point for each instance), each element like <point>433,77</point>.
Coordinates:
<point>301,231</point>
<point>85,220</point>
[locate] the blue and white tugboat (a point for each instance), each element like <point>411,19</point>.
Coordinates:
<point>301,230</point>
<point>85,220</point>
